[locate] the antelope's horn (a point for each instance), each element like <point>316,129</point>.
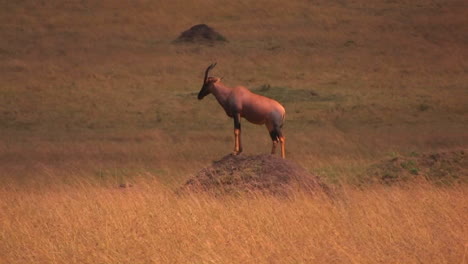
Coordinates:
<point>207,70</point>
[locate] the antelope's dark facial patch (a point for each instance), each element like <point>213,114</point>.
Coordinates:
<point>204,91</point>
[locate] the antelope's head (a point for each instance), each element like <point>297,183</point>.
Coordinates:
<point>207,83</point>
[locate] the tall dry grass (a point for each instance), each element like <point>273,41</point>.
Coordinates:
<point>147,223</point>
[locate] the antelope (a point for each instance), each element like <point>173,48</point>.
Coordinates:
<point>239,102</point>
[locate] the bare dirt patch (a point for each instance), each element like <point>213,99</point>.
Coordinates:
<point>251,173</point>
<point>200,34</point>
<point>438,167</point>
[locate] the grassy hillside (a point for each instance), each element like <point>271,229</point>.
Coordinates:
<point>94,94</point>
<point>105,78</point>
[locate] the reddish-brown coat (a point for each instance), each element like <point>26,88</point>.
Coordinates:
<point>239,102</point>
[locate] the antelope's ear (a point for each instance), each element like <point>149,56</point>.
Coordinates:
<point>213,79</point>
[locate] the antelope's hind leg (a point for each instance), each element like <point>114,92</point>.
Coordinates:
<point>283,147</point>
<point>277,137</point>
<point>274,140</point>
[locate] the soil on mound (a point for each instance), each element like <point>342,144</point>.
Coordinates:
<point>200,34</point>
<point>438,167</point>
<point>245,173</point>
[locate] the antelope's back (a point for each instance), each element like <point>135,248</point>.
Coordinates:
<point>259,109</point>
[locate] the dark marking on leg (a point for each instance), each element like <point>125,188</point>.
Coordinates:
<point>274,135</point>
<point>277,136</point>
<point>237,124</point>
<point>237,135</point>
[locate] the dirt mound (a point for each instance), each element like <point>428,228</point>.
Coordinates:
<point>245,173</point>
<point>200,34</point>
<point>441,168</point>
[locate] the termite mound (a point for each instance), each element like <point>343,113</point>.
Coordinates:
<point>236,174</point>
<point>200,33</point>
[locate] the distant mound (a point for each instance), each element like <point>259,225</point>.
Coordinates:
<point>200,34</point>
<point>438,167</point>
<point>245,173</point>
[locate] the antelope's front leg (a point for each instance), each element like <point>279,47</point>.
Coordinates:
<point>237,135</point>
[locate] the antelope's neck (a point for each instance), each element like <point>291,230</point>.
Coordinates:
<point>221,93</point>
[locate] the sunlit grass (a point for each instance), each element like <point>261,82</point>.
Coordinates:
<point>148,223</point>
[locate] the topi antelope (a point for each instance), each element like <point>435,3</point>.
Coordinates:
<point>240,102</point>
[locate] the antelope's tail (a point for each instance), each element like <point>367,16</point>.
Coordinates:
<point>283,117</point>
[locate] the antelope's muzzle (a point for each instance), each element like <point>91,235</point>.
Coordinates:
<point>203,92</point>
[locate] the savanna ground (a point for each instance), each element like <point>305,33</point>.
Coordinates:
<point>94,94</point>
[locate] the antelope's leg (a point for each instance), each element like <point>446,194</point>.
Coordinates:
<point>274,140</point>
<point>283,150</point>
<point>237,148</point>
<point>273,147</point>
<point>237,135</point>
<point>277,135</point>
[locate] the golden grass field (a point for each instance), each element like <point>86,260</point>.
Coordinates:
<point>94,94</point>
<point>149,224</point>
